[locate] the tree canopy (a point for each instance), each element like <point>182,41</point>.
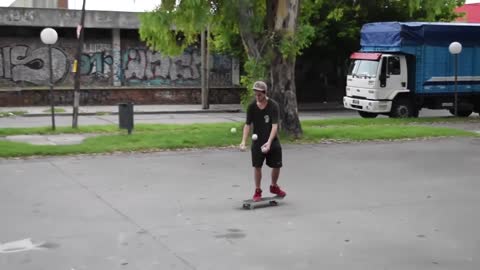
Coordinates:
<point>268,35</point>
<point>265,34</point>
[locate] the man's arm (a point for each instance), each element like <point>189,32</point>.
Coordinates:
<point>246,131</point>
<point>247,127</point>
<point>273,133</point>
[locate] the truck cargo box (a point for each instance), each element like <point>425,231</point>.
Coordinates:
<point>428,44</point>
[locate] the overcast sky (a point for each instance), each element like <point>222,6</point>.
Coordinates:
<point>123,5</point>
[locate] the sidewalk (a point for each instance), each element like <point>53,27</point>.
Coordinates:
<point>62,139</point>
<point>153,109</point>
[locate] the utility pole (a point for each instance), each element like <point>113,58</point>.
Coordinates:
<point>202,55</point>
<point>204,47</point>
<point>207,78</point>
<point>76,68</point>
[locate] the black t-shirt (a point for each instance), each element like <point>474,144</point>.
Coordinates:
<point>262,120</point>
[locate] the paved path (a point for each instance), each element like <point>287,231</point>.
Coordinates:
<point>402,205</point>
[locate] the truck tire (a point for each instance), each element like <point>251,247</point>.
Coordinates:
<point>461,113</point>
<point>367,114</point>
<point>403,108</point>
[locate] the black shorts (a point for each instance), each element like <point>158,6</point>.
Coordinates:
<point>273,157</point>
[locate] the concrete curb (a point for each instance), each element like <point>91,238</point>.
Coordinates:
<point>99,113</point>
<point>327,108</point>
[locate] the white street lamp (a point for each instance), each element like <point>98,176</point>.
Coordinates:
<point>455,48</point>
<point>49,36</point>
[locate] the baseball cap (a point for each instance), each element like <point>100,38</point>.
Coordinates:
<point>260,86</point>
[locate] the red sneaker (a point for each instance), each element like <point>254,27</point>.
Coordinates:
<point>276,190</point>
<point>258,195</point>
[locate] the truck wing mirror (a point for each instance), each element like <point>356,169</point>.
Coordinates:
<point>383,80</point>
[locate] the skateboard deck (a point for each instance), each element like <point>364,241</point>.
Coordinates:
<point>271,201</point>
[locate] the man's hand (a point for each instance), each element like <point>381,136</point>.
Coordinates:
<point>266,148</point>
<point>242,146</point>
<point>246,131</point>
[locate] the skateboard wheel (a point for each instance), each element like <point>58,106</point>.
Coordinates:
<point>273,203</point>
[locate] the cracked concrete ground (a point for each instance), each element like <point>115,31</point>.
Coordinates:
<point>399,205</point>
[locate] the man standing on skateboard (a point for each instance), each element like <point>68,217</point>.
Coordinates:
<point>263,114</point>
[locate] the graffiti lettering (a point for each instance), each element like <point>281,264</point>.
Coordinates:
<point>160,66</point>
<point>221,63</point>
<point>145,65</point>
<point>21,64</point>
<point>98,64</point>
<point>221,70</point>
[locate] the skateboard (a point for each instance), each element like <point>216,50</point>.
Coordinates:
<point>266,201</point>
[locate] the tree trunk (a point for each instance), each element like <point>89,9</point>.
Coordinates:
<point>250,42</point>
<point>281,21</point>
<point>282,69</point>
<point>282,74</point>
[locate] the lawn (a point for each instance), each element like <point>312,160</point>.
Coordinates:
<point>153,137</point>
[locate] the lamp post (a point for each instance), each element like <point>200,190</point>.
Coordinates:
<point>455,48</point>
<point>49,36</point>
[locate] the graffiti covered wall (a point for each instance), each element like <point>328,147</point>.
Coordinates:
<point>21,64</point>
<point>141,66</point>
<point>24,63</point>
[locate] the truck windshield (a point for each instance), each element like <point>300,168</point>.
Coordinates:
<point>363,68</point>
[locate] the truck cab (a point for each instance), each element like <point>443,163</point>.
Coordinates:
<point>374,80</point>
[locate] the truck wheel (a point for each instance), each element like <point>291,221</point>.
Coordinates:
<point>367,114</point>
<point>461,113</point>
<point>402,108</point>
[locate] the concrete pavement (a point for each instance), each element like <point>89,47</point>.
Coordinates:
<point>401,205</point>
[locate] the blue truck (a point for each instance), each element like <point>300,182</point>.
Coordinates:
<point>403,67</point>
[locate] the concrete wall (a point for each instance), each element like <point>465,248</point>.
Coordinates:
<point>141,66</point>
<point>42,17</point>
<point>113,56</point>
<point>35,3</point>
<point>40,3</point>
<point>24,63</point>
<point>114,96</point>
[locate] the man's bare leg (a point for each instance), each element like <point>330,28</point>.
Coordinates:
<point>275,175</point>
<point>258,177</point>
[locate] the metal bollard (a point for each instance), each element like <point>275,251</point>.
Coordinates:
<point>125,116</point>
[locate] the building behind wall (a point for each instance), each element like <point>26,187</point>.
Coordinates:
<point>115,65</point>
<point>470,12</point>
<point>40,4</point>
